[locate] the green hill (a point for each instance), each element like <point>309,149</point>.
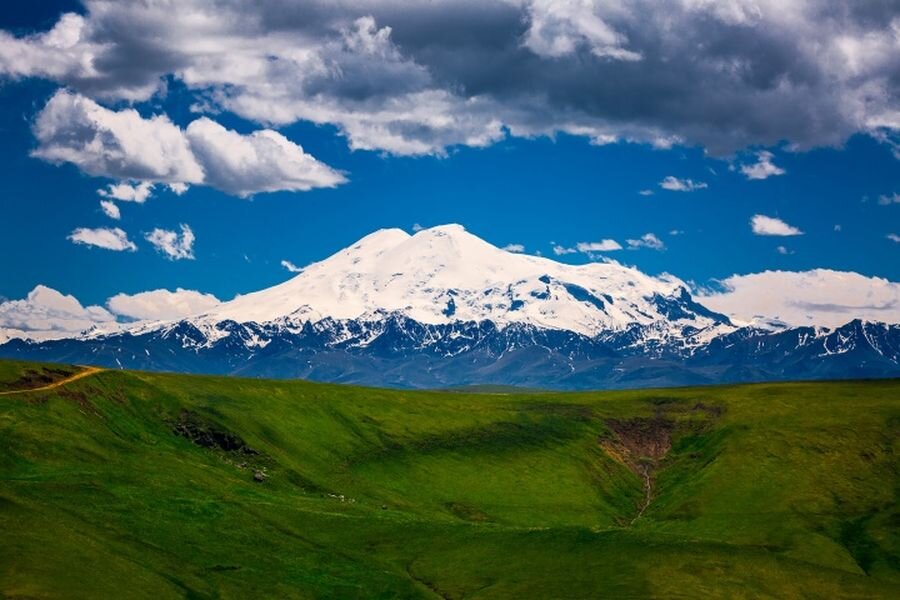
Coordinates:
<point>128,484</point>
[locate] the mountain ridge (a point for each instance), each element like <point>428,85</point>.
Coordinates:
<point>398,352</point>
<point>443,307</point>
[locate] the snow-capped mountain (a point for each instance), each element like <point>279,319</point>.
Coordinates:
<point>445,275</point>
<point>443,307</point>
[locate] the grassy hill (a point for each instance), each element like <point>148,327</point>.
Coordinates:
<point>128,484</point>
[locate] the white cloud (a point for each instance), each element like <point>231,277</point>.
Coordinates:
<point>648,240</point>
<point>66,53</point>
<point>886,133</point>
<point>646,192</point>
<point>173,245</point>
<point>518,248</point>
<point>763,225</point>
<point>103,237</point>
<point>886,200</point>
<point>673,184</point>
<point>893,237</point>
<point>179,187</point>
<point>588,248</point>
<point>263,161</point>
<point>601,246</point>
<point>161,304</point>
<point>820,297</point>
<point>365,38</point>
<point>783,250</point>
<point>110,209</point>
<point>291,266</point>
<point>676,232</point>
<point>828,70</point>
<point>837,228</point>
<point>117,144</point>
<point>558,28</point>
<point>123,145</point>
<point>763,168</point>
<point>47,314</point>
<point>126,192</point>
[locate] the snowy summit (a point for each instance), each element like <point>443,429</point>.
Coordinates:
<point>445,274</point>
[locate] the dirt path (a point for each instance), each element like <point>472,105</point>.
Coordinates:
<point>86,372</point>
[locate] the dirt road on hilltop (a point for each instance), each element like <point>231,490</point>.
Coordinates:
<point>86,372</point>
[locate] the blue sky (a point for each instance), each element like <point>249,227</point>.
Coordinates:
<point>538,190</point>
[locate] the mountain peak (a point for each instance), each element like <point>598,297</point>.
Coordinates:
<point>380,239</point>
<point>447,246</point>
<point>451,235</point>
<point>447,229</point>
<point>445,274</point>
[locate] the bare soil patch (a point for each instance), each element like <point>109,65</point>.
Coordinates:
<point>640,444</point>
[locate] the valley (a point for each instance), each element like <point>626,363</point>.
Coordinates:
<point>204,487</point>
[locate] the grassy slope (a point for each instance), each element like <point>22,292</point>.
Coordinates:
<point>17,374</point>
<point>785,490</point>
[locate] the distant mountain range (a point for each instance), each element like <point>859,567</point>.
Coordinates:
<point>444,308</point>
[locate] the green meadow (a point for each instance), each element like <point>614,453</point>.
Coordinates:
<point>129,484</point>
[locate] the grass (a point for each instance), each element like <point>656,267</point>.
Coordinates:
<point>782,491</point>
<point>16,374</point>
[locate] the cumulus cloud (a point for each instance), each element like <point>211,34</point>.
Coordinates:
<point>124,145</point>
<point>820,297</point>
<point>601,246</point>
<point>763,168</point>
<point>560,28</point>
<point>518,248</point>
<point>47,314</point>
<point>893,237</point>
<point>763,225</point>
<point>68,54</point>
<point>648,240</point>
<point>588,248</point>
<point>116,144</point>
<point>562,250</point>
<point>111,238</point>
<point>110,209</point>
<point>886,200</point>
<point>291,266</point>
<point>673,184</point>
<point>127,192</point>
<point>417,78</point>
<point>173,245</point>
<point>161,305</point>
<point>263,161</point>
<point>178,188</point>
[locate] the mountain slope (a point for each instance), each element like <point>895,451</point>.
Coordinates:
<point>444,308</point>
<point>395,351</point>
<point>172,486</point>
<point>445,274</point>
